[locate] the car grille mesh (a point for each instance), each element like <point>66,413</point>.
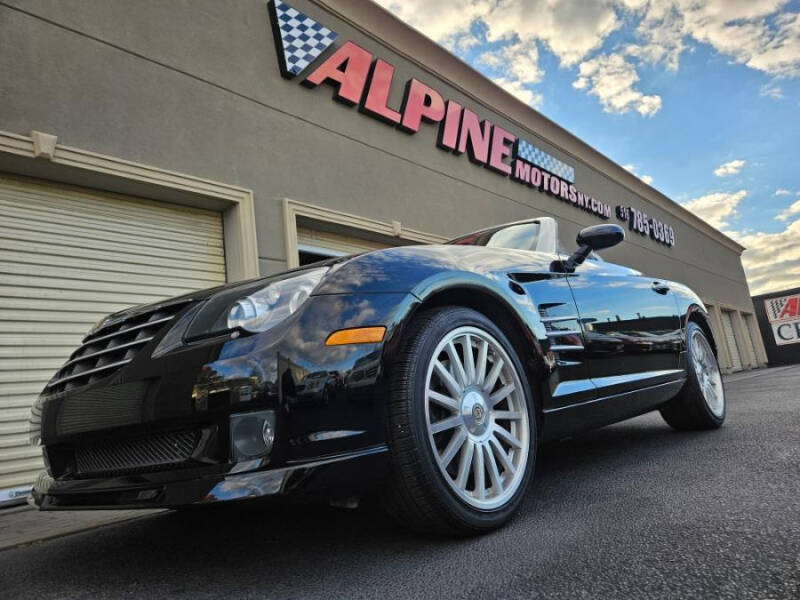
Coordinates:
<point>105,351</point>
<point>135,456</point>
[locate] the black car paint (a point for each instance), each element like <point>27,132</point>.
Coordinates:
<point>200,383</point>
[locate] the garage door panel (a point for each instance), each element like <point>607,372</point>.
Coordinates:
<point>123,232</point>
<point>153,214</point>
<point>69,257</point>
<point>67,289</point>
<point>16,401</point>
<point>730,338</point>
<point>17,440</point>
<point>29,351</point>
<point>14,481</point>
<point>174,283</point>
<point>20,466</point>
<point>59,302</point>
<point>30,388</point>
<point>27,364</point>
<point>14,427</point>
<point>33,332</point>
<point>117,270</point>
<point>19,460</point>
<point>39,320</point>
<point>15,414</point>
<point>113,253</point>
<point>29,376</point>
<point>145,247</point>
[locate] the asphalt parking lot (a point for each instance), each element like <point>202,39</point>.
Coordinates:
<point>630,511</point>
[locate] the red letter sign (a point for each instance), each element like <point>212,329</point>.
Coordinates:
<point>448,130</point>
<point>421,102</point>
<point>501,140</point>
<point>791,308</point>
<point>474,137</point>
<point>375,102</point>
<point>347,70</point>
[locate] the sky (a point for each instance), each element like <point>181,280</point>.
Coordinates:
<point>698,98</point>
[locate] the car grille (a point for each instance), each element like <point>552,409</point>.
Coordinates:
<point>108,349</point>
<point>135,456</point>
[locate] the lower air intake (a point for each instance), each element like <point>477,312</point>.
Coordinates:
<point>135,456</point>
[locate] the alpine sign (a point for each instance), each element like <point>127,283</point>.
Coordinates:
<point>363,80</point>
<point>784,317</point>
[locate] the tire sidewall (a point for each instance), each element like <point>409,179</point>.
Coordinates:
<point>458,510</point>
<point>695,381</point>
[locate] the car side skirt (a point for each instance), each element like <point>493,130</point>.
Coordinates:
<point>568,420</point>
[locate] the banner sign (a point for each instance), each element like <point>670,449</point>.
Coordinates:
<point>363,80</point>
<point>784,317</point>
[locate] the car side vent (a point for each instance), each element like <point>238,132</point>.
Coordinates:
<point>108,349</point>
<point>563,329</point>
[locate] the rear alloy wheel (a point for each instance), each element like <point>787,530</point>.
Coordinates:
<point>462,428</point>
<point>701,402</point>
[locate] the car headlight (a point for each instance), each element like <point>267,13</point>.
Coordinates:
<point>255,307</point>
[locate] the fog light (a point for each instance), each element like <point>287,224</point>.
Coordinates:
<point>252,435</point>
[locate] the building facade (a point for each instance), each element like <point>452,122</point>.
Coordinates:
<point>146,152</point>
<point>778,315</point>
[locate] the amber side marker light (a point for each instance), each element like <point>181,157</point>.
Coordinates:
<point>359,335</point>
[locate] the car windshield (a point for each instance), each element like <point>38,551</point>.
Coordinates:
<point>522,236</point>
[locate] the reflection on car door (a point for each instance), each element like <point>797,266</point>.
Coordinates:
<point>631,328</point>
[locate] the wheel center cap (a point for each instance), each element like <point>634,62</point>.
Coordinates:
<point>475,412</point>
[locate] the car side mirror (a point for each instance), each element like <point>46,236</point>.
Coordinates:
<point>596,237</point>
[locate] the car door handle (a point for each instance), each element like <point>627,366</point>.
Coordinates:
<point>660,288</point>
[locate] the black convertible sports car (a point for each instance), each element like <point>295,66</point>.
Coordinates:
<point>426,373</point>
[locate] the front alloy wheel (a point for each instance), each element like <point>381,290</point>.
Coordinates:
<point>461,429</point>
<point>477,419</point>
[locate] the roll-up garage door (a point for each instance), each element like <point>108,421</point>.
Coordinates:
<point>751,343</point>
<point>68,257</point>
<point>314,245</point>
<point>730,338</point>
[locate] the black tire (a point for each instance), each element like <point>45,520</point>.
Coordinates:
<point>417,495</point>
<point>689,410</point>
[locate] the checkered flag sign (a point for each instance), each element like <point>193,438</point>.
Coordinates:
<point>530,153</point>
<point>775,307</point>
<point>299,38</point>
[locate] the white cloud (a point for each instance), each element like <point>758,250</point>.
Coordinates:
<point>632,168</point>
<point>772,260</point>
<point>782,192</point>
<point>569,29</point>
<point>752,33</point>
<point>759,34</point>
<point>771,90</point>
<point>729,168</point>
<point>717,208</point>
<point>517,61</point>
<point>790,212</point>
<point>516,88</point>
<point>661,29</point>
<point>611,79</point>
<point>443,20</point>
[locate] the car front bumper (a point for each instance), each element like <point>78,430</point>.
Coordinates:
<point>159,432</point>
<point>344,474</point>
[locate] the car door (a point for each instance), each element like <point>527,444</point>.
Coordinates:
<point>630,324</point>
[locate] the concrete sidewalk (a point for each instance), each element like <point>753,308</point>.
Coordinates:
<point>22,525</point>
